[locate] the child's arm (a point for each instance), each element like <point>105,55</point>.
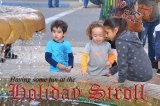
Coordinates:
<point>70,56</point>
<point>50,60</point>
<point>111,55</point>
<point>48,57</point>
<point>122,60</point>
<point>111,58</point>
<point>53,62</point>
<point>70,61</point>
<point>84,61</point>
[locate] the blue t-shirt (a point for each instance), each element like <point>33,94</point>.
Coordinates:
<point>60,51</point>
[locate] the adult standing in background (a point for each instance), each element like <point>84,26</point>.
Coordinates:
<point>112,8</point>
<point>85,2</point>
<point>96,2</point>
<point>149,28</point>
<point>56,3</point>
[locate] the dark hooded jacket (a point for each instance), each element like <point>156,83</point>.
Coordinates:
<point>133,62</point>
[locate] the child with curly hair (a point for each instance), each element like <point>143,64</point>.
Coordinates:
<point>98,55</point>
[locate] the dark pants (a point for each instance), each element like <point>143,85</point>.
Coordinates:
<point>50,3</point>
<point>96,2</point>
<point>157,46</point>
<point>56,3</point>
<point>148,32</point>
<point>85,2</point>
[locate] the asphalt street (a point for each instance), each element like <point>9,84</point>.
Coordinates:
<point>77,21</point>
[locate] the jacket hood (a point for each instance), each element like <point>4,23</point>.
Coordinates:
<point>131,37</point>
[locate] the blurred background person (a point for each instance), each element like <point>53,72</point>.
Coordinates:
<point>50,4</point>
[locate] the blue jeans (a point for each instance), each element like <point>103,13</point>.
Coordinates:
<point>148,32</point>
<point>157,45</point>
<point>56,3</point>
<point>96,2</point>
<point>85,2</point>
<point>50,3</point>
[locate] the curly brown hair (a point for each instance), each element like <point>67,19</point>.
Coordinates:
<point>91,26</point>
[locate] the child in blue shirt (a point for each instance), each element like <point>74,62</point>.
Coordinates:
<point>59,51</point>
<point>157,46</point>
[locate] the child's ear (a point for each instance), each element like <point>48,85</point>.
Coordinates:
<point>64,34</point>
<point>116,29</point>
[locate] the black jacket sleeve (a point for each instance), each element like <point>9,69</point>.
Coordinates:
<point>50,60</point>
<point>122,60</point>
<point>71,59</point>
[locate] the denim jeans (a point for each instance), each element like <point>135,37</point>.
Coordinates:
<point>56,3</point>
<point>157,45</point>
<point>96,2</point>
<point>85,2</point>
<point>148,32</point>
<point>50,3</point>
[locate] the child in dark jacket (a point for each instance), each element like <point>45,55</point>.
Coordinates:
<point>133,62</point>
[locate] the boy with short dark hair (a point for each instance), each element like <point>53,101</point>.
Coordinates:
<point>59,51</point>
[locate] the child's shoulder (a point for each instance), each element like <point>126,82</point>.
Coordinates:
<point>90,42</point>
<point>49,42</point>
<point>67,42</point>
<point>107,43</point>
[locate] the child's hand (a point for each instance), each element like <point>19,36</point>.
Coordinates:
<point>108,64</point>
<point>68,68</point>
<point>114,80</point>
<point>108,74</point>
<point>83,73</point>
<point>61,66</point>
<point>117,81</point>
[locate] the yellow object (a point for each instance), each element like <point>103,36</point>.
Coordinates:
<point>85,57</point>
<point>19,23</point>
<point>5,30</point>
<point>84,62</point>
<point>111,58</point>
<point>17,29</point>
